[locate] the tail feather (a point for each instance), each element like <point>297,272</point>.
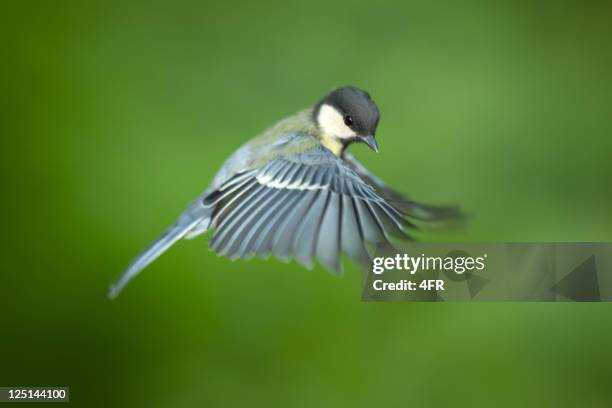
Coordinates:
<point>150,254</point>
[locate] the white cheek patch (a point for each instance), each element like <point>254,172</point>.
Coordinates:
<point>332,123</point>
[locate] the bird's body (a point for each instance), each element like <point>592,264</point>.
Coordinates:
<point>295,193</point>
<point>294,134</point>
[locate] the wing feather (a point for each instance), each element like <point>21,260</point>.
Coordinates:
<point>243,222</point>
<point>305,239</point>
<point>283,237</point>
<point>234,217</point>
<point>413,209</point>
<point>263,244</point>
<point>303,206</point>
<point>328,243</point>
<point>352,239</point>
<point>264,222</point>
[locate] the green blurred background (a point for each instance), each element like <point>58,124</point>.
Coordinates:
<point>116,114</point>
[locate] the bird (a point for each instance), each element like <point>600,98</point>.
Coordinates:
<point>295,192</point>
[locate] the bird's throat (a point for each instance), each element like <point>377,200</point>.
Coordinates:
<point>333,144</point>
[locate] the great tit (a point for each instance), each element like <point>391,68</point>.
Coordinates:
<point>294,192</point>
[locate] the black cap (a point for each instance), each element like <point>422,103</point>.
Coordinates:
<point>359,110</point>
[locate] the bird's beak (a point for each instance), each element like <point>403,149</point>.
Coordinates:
<point>370,141</point>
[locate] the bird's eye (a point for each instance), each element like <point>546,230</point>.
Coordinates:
<point>348,120</point>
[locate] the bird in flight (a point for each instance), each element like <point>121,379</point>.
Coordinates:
<point>295,192</point>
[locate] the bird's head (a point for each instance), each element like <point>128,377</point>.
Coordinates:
<point>348,115</point>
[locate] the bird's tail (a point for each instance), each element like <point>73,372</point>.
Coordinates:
<point>183,226</point>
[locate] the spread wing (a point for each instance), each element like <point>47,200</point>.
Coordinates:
<point>304,206</point>
<point>412,208</point>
